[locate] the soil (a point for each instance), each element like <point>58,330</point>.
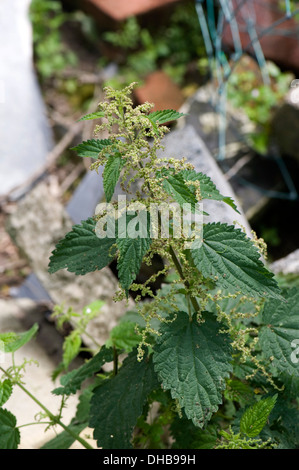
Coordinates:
<point>13,267</point>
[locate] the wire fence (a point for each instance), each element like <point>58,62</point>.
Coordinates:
<point>241,18</point>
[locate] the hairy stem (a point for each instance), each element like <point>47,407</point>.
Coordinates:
<point>181,274</point>
<point>177,263</point>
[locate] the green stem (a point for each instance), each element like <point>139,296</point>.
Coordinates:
<point>83,331</point>
<point>115,361</point>
<point>32,424</point>
<point>98,345</point>
<point>53,418</point>
<point>181,274</point>
<point>177,264</point>
<point>172,252</point>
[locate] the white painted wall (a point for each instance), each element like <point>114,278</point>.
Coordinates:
<point>25,137</point>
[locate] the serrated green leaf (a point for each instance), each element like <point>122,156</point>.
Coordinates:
<point>5,391</point>
<point>187,436</point>
<point>71,347</point>
<point>239,391</point>
<point>208,189</point>
<point>117,403</point>
<point>96,115</point>
<point>20,339</point>
<point>81,251</point>
<point>9,433</point>
<point>167,115</point>
<point>192,361</point>
<point>285,413</point>
<point>111,174</point>
<point>279,337</point>
<point>72,381</point>
<point>7,337</point>
<point>132,251</point>
<point>123,336</point>
<point>83,407</point>
<point>255,418</point>
<point>175,185</point>
<point>230,202</point>
<point>228,255</point>
<point>181,193</point>
<point>133,242</point>
<point>91,148</point>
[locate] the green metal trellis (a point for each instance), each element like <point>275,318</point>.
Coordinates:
<point>212,15</point>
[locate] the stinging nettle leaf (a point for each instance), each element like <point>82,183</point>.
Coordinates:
<point>9,433</point>
<point>71,347</point>
<point>5,391</point>
<point>132,246</point>
<point>279,335</point>
<point>167,115</point>
<point>96,115</point>
<point>111,174</point>
<point>255,417</point>
<point>117,403</point>
<point>20,339</point>
<point>176,186</point>
<point>124,336</point>
<point>187,436</point>
<point>93,308</point>
<point>131,254</point>
<point>7,337</point>
<point>208,189</point>
<point>228,255</point>
<point>230,202</point>
<point>92,148</point>
<point>192,361</point>
<point>181,193</point>
<point>72,381</point>
<point>81,251</point>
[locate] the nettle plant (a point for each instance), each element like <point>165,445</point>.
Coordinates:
<point>208,359</point>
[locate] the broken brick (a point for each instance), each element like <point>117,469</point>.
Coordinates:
<point>119,10</point>
<point>160,90</point>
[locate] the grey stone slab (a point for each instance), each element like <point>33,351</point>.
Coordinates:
<point>85,198</point>
<point>204,114</point>
<point>255,178</point>
<point>287,265</point>
<point>25,136</point>
<point>31,289</point>
<point>284,129</point>
<point>80,207</point>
